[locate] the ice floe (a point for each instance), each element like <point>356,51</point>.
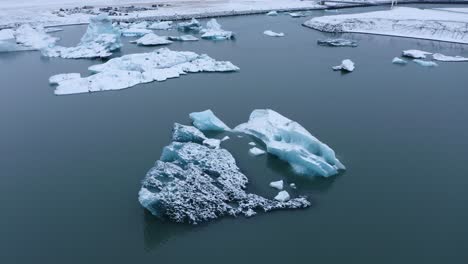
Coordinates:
<point>397,60</point>
<point>193,183</point>
<point>56,79</point>
<point>161,25</point>
<point>291,142</point>
<point>152,39</point>
<point>442,57</point>
<point>132,69</point>
<point>256,151</point>
<point>337,42</point>
<point>182,38</point>
<point>214,31</point>
<point>425,63</point>
<point>277,184</point>
<point>273,34</point>
<point>399,21</point>
<point>346,65</point>
<point>272,13</point>
<point>192,25</point>
<point>415,54</point>
<point>208,121</point>
<point>135,32</point>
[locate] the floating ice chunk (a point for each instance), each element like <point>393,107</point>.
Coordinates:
<point>182,38</point>
<point>337,42</point>
<point>442,57</point>
<point>135,32</point>
<point>416,54</point>
<point>99,40</point>
<point>129,70</point>
<point>299,14</point>
<point>192,25</point>
<point>193,183</point>
<point>56,79</point>
<point>272,13</point>
<point>33,38</point>
<point>273,34</point>
<point>293,185</point>
<point>212,143</point>
<point>252,144</point>
<point>8,41</point>
<point>152,39</point>
<point>182,133</point>
<point>213,31</point>
<point>277,185</point>
<point>256,151</point>
<point>282,196</point>
<point>397,60</point>
<point>425,63</point>
<point>225,138</point>
<point>207,121</point>
<point>53,29</point>
<point>162,25</point>
<point>291,142</point>
<point>346,65</point>
<point>142,24</point>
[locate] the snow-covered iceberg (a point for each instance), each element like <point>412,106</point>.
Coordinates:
<point>161,25</point>
<point>214,31</point>
<point>337,42</point>
<point>193,183</point>
<point>192,25</point>
<point>400,61</point>
<point>152,39</point>
<point>415,54</point>
<point>442,57</point>
<point>291,142</point>
<point>399,21</point>
<point>129,70</point>
<point>183,38</point>
<point>99,40</point>
<point>273,34</point>
<point>208,121</point>
<point>346,65</point>
<point>25,37</point>
<point>425,63</point>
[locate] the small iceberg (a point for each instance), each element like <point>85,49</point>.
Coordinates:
<point>291,142</point>
<point>282,196</point>
<point>299,14</point>
<point>337,42</point>
<point>400,61</point>
<point>99,40</point>
<point>152,39</point>
<point>132,69</point>
<point>277,185</point>
<point>346,65</point>
<point>273,34</point>
<point>192,25</point>
<point>213,31</point>
<point>161,25</point>
<point>135,32</point>
<point>425,63</point>
<point>182,38</point>
<point>207,121</point>
<point>415,54</point>
<point>442,57</point>
<point>256,151</point>
<point>272,13</point>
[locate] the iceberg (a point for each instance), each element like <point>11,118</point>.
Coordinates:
<point>425,63</point>
<point>277,185</point>
<point>337,43</point>
<point>182,133</point>
<point>132,69</point>
<point>152,39</point>
<point>291,142</point>
<point>256,151</point>
<point>99,40</point>
<point>442,57</point>
<point>207,121</point>
<point>273,34</point>
<point>272,13</point>
<point>161,25</point>
<point>346,65</point>
<point>8,41</point>
<point>25,37</point>
<point>282,196</point>
<point>213,31</point>
<point>135,32</point>
<point>182,38</point>
<point>192,183</point>
<point>397,60</point>
<point>399,21</point>
<point>415,54</point>
<point>192,25</point>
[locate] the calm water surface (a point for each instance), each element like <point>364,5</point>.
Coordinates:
<point>71,166</point>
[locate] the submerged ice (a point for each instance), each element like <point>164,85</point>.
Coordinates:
<point>129,70</point>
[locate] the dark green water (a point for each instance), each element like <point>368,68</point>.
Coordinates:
<point>71,166</point>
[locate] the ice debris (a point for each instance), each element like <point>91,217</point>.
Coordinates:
<point>193,183</point>
<point>337,42</point>
<point>252,144</point>
<point>273,34</point>
<point>256,151</point>
<point>397,60</point>
<point>182,38</point>
<point>272,13</point>
<point>162,25</point>
<point>415,54</point>
<point>425,63</point>
<point>214,31</point>
<point>277,184</point>
<point>442,57</point>
<point>346,65</point>
<point>291,142</point>
<point>192,25</point>
<point>132,69</point>
<point>207,121</point>
<point>152,39</point>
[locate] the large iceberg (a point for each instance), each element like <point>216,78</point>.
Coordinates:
<point>214,31</point>
<point>442,57</point>
<point>25,37</point>
<point>100,39</point>
<point>129,70</point>
<point>192,183</point>
<point>346,65</point>
<point>291,142</point>
<point>337,42</point>
<point>399,21</point>
<point>207,121</point>
<point>152,39</point>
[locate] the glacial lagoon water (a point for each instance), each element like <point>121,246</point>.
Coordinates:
<point>71,166</point>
